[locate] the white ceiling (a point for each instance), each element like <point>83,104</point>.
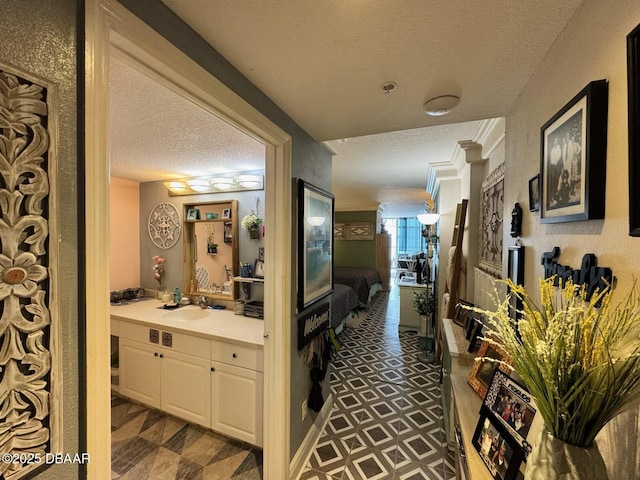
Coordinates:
<point>324,63</point>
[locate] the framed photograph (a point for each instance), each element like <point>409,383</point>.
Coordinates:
<point>492,357</point>
<point>534,193</point>
<point>228,232</point>
<point>258,268</point>
<point>462,315</point>
<point>515,271</point>
<point>633,86</point>
<point>501,454</point>
<point>511,405</point>
<point>573,150</point>
<point>315,244</point>
<point>261,253</point>
<point>226,213</point>
<point>193,214</point>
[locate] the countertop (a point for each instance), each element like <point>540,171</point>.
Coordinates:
<point>216,324</point>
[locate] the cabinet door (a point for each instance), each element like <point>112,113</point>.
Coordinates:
<point>140,372</point>
<point>236,402</point>
<point>185,387</point>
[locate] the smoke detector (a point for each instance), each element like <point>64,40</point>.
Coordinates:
<point>389,87</point>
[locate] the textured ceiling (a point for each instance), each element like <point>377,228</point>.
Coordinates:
<point>155,134</point>
<point>324,64</point>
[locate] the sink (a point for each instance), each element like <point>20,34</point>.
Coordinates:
<point>186,314</point>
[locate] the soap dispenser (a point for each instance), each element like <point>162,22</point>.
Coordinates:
<point>177,296</point>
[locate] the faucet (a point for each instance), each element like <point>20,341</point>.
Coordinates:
<point>202,301</point>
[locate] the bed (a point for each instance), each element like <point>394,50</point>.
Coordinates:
<point>344,304</point>
<point>365,281</point>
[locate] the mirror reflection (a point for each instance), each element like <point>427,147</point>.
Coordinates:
<point>211,249</point>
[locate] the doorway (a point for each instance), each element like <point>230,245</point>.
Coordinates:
<point>110,25</point>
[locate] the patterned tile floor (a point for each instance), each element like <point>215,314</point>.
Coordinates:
<point>386,421</point>
<point>148,445</point>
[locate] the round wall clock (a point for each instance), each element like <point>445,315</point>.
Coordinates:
<point>164,225</point>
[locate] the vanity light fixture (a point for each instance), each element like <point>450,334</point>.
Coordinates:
<point>199,186</point>
<point>222,183</point>
<point>249,181</point>
<point>176,187</point>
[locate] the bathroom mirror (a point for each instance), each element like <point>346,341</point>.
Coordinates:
<point>211,249</point>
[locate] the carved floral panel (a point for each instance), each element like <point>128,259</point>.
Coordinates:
<point>28,328</point>
<point>491,222</point>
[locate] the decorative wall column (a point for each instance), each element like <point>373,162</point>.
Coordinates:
<point>473,157</point>
<point>29,383</point>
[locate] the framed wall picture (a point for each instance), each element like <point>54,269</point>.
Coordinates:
<point>633,86</point>
<point>573,148</point>
<point>226,213</point>
<point>315,244</point>
<point>512,406</point>
<point>500,453</point>
<point>534,193</point>
<point>491,357</point>
<point>491,221</point>
<point>515,272</point>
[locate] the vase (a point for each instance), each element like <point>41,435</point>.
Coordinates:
<point>552,458</point>
<point>254,234</point>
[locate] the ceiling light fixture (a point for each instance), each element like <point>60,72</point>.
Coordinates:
<point>442,105</point>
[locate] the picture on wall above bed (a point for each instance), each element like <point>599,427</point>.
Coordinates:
<point>573,148</point>
<point>315,244</point>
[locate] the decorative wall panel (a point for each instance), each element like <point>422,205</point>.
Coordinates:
<point>491,222</point>
<point>29,410</point>
<point>354,231</point>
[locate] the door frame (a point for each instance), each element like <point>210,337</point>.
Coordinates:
<point>109,25</point>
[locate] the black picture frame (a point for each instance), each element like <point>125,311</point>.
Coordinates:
<point>534,193</point>
<point>193,214</point>
<point>573,150</point>
<point>315,244</point>
<point>488,439</point>
<point>226,213</point>
<point>515,273</point>
<point>511,404</point>
<point>463,315</point>
<point>633,87</point>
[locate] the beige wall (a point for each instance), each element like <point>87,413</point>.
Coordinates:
<point>124,240</point>
<point>592,47</point>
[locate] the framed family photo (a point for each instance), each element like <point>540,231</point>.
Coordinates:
<point>315,244</point>
<point>498,450</point>
<point>573,158</point>
<point>491,357</point>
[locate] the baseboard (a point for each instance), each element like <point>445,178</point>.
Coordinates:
<point>305,450</point>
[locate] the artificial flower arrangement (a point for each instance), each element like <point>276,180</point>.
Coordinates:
<point>578,356</point>
<point>158,270</point>
<point>251,221</point>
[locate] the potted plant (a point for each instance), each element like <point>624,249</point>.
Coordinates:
<point>252,222</point>
<point>579,357</point>
<point>212,246</point>
<point>425,302</point>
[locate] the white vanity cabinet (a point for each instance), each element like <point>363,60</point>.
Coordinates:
<point>165,377</point>
<point>236,391</point>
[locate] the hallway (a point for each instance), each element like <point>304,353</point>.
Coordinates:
<point>386,421</point>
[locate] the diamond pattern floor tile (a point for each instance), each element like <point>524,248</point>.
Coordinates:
<point>386,421</point>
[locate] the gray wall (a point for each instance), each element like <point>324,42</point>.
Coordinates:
<point>40,38</point>
<point>311,161</point>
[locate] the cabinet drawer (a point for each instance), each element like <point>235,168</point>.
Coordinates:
<point>239,355</point>
<point>180,342</point>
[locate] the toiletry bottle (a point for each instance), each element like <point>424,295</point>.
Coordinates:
<point>177,296</point>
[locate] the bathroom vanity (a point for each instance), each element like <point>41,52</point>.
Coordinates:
<point>202,365</point>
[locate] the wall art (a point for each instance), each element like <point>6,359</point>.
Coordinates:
<point>573,150</point>
<point>491,222</point>
<point>164,225</point>
<point>31,384</point>
<point>315,244</point>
